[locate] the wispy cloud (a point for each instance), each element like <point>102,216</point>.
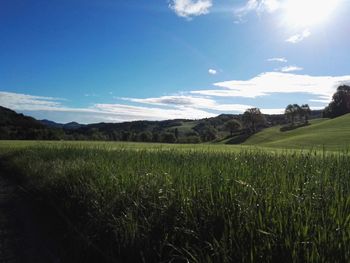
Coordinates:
<point>322,100</point>
<point>259,6</point>
<point>23,101</point>
<point>282,60</point>
<point>91,95</point>
<point>48,106</point>
<point>180,101</point>
<point>276,82</point>
<point>291,69</point>
<point>212,71</point>
<point>122,112</point>
<point>190,8</point>
<point>299,37</point>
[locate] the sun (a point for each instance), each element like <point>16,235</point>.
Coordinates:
<point>306,13</point>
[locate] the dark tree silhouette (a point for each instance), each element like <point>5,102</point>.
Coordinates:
<point>145,136</point>
<point>340,103</point>
<point>176,132</point>
<point>168,138</point>
<point>233,125</point>
<point>252,118</point>
<point>292,111</point>
<point>305,112</point>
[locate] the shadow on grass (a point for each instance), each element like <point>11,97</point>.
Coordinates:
<point>293,127</point>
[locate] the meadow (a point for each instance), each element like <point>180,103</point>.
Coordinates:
<point>332,134</point>
<point>129,202</point>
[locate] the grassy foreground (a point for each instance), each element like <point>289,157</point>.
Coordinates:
<point>133,203</point>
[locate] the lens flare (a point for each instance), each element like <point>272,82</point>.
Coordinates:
<point>305,13</point>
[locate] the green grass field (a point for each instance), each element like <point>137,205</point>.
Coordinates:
<point>129,202</point>
<point>332,134</point>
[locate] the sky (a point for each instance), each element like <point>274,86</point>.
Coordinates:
<point>122,60</point>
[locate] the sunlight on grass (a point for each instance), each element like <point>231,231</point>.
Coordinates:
<point>206,203</point>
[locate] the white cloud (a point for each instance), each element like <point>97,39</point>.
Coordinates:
<point>212,71</point>
<point>22,101</point>
<point>127,112</point>
<point>97,112</point>
<point>248,7</point>
<point>291,69</point>
<point>190,8</point>
<point>259,6</point>
<point>276,82</point>
<point>272,111</point>
<point>299,37</point>
<point>282,60</point>
<point>181,101</point>
<point>270,5</point>
<point>281,111</point>
<point>320,100</point>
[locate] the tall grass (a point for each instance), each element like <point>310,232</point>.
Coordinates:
<point>172,205</point>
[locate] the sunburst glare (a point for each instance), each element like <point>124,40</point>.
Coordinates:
<point>305,13</point>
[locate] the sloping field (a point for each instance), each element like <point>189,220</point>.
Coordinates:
<point>328,133</point>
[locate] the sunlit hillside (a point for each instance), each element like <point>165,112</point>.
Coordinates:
<point>329,133</point>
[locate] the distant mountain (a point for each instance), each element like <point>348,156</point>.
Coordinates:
<point>72,126</point>
<point>10,118</point>
<point>68,126</point>
<point>20,127</point>
<point>51,124</point>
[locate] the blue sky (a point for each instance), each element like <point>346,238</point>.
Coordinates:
<point>113,60</point>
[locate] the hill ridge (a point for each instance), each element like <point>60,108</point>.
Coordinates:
<point>321,132</point>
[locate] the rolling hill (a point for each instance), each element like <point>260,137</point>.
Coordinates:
<point>328,133</point>
<point>19,126</point>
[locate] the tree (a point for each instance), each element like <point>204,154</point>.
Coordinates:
<point>206,131</point>
<point>209,134</point>
<point>233,125</point>
<point>168,137</point>
<point>252,118</point>
<point>176,132</point>
<point>155,137</point>
<point>340,103</point>
<point>305,112</point>
<point>292,111</point>
<point>126,136</point>
<point>145,136</point>
<point>298,111</point>
<point>288,112</point>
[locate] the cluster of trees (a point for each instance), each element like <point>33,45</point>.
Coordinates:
<point>340,103</point>
<point>248,123</point>
<point>253,119</point>
<point>294,113</point>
